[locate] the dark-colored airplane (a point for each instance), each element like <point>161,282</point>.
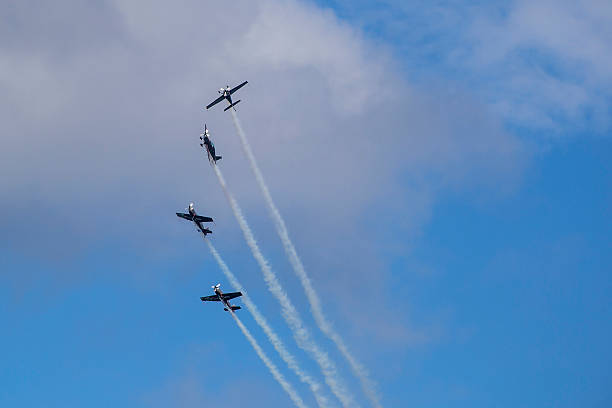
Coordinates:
<point>222,297</point>
<point>208,144</point>
<point>226,93</point>
<point>197,219</point>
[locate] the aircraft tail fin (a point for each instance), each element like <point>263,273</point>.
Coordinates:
<point>232,105</point>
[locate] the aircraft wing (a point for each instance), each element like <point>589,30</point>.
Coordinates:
<point>234,89</point>
<point>216,101</point>
<point>200,218</point>
<point>228,296</point>
<point>185,216</point>
<point>212,298</point>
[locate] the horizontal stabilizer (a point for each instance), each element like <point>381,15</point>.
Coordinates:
<point>218,158</point>
<point>236,307</point>
<point>232,105</point>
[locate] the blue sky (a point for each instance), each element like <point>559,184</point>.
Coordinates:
<point>444,170</point>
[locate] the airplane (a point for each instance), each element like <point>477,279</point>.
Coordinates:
<point>197,219</point>
<point>226,93</point>
<point>210,147</point>
<point>222,297</point>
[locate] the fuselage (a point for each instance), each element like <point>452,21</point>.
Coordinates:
<point>192,210</point>
<point>209,146</point>
<point>226,94</point>
<point>226,303</point>
<point>197,223</point>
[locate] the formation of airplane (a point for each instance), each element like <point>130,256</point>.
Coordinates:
<point>196,219</point>
<point>191,215</point>
<point>209,146</point>
<point>226,93</point>
<point>219,296</point>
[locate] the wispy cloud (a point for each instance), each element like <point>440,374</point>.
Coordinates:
<point>541,65</point>
<point>551,59</point>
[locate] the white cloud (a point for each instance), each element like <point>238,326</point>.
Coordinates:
<point>103,135</point>
<point>544,65</point>
<point>550,62</point>
<point>572,31</point>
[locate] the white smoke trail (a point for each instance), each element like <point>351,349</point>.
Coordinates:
<point>326,327</point>
<point>289,312</point>
<point>287,357</point>
<point>277,375</point>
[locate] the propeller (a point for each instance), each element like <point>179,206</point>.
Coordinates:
<point>216,286</point>
<point>205,133</point>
